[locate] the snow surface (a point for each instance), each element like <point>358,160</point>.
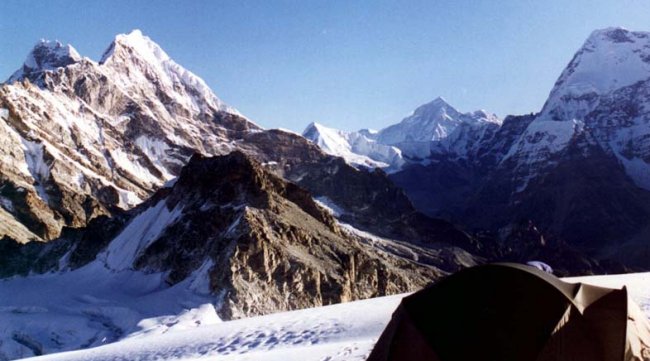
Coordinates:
<point>129,163</point>
<point>38,169</point>
<point>339,332</point>
<point>93,306</point>
<point>156,151</point>
<point>538,143</point>
<point>630,143</point>
<point>637,169</point>
<point>354,147</point>
<point>334,209</point>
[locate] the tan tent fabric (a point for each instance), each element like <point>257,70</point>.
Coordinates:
<point>510,312</point>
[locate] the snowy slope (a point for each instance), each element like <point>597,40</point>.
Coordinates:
<point>339,332</point>
<point>354,147</point>
<point>94,306</point>
<point>610,59</point>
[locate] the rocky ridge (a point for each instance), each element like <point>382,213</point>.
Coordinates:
<point>263,244</point>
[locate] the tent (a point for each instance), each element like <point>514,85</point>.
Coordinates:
<point>511,312</point>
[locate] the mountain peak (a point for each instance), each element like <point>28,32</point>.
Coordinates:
<point>610,59</point>
<point>313,125</point>
<point>439,100</point>
<point>138,60</point>
<point>314,128</point>
<point>45,56</point>
<point>134,43</point>
<point>435,104</point>
<point>437,109</point>
<point>614,34</point>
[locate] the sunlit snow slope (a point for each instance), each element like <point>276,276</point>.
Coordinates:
<point>339,332</point>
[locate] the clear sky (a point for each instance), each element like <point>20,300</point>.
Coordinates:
<point>347,64</point>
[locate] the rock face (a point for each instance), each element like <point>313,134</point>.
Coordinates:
<point>263,244</point>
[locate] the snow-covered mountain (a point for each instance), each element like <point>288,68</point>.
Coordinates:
<point>430,126</point>
<point>109,162</point>
<point>610,59</point>
<point>45,56</point>
<point>80,137</point>
<point>602,94</point>
<point>355,147</point>
<point>583,160</point>
<point>433,128</point>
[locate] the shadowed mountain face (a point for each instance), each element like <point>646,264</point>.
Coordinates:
<point>578,169</point>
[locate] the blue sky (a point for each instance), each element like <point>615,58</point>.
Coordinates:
<point>347,64</point>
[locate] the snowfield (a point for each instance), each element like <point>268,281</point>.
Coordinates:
<point>339,332</point>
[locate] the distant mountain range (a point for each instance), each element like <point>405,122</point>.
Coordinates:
<point>579,169</point>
